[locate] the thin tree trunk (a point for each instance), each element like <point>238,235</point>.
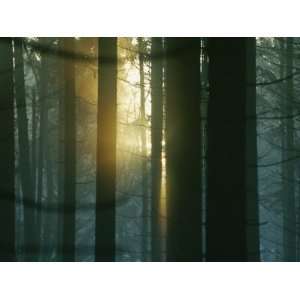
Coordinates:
<point>289,211</point>
<point>69,154</point>
<point>7,153</point>
<point>24,154</point>
<point>48,240</point>
<point>156,145</point>
<point>252,206</point>
<point>282,70</point>
<point>145,213</point>
<point>229,133</point>
<point>34,144</point>
<point>106,150</point>
<point>47,214</point>
<point>60,181</point>
<point>41,151</point>
<point>60,176</point>
<point>183,150</point>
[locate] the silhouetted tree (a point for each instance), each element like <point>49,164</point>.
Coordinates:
<point>183,150</point>
<point>69,152</point>
<point>43,87</point>
<point>143,124</point>
<point>288,167</point>
<point>61,161</point>
<point>156,144</point>
<point>24,153</point>
<point>231,74</point>
<point>106,150</point>
<point>7,153</point>
<point>252,207</point>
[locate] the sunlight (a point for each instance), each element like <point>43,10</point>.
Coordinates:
<point>130,126</point>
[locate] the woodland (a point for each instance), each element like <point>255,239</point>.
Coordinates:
<point>181,149</point>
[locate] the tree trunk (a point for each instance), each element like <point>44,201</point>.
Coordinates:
<point>48,243</point>
<point>48,222</point>
<point>252,205</point>
<point>61,162</point>
<point>288,176</point>
<point>183,150</point>
<point>33,146</point>
<point>156,145</point>
<point>106,150</point>
<point>7,153</point>
<point>41,150</point>
<point>24,154</point>
<point>69,153</point>
<point>282,70</point>
<point>143,124</point>
<point>34,165</point>
<point>229,203</point>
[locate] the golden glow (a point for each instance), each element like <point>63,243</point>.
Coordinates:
<point>129,123</point>
<point>130,128</point>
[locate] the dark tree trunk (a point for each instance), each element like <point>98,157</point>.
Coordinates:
<point>41,151</point>
<point>7,153</point>
<point>48,243</point>
<point>252,206</point>
<point>282,69</point>
<point>106,150</point>
<point>183,150</point>
<point>45,187</point>
<point>143,124</point>
<point>60,181</point>
<point>61,162</point>
<point>34,144</point>
<point>156,144</point>
<point>48,224</point>
<point>228,209</point>
<point>289,209</point>
<point>34,161</point>
<point>24,154</point>
<point>69,153</point>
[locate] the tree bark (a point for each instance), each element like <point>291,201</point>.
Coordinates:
<point>231,188</point>
<point>69,153</point>
<point>183,150</point>
<point>156,145</point>
<point>143,124</point>
<point>288,175</point>
<point>30,246</point>
<point>7,153</point>
<point>41,149</point>
<point>252,205</point>
<point>106,150</point>
<point>34,144</point>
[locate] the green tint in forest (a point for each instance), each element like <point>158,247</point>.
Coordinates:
<point>149,149</point>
